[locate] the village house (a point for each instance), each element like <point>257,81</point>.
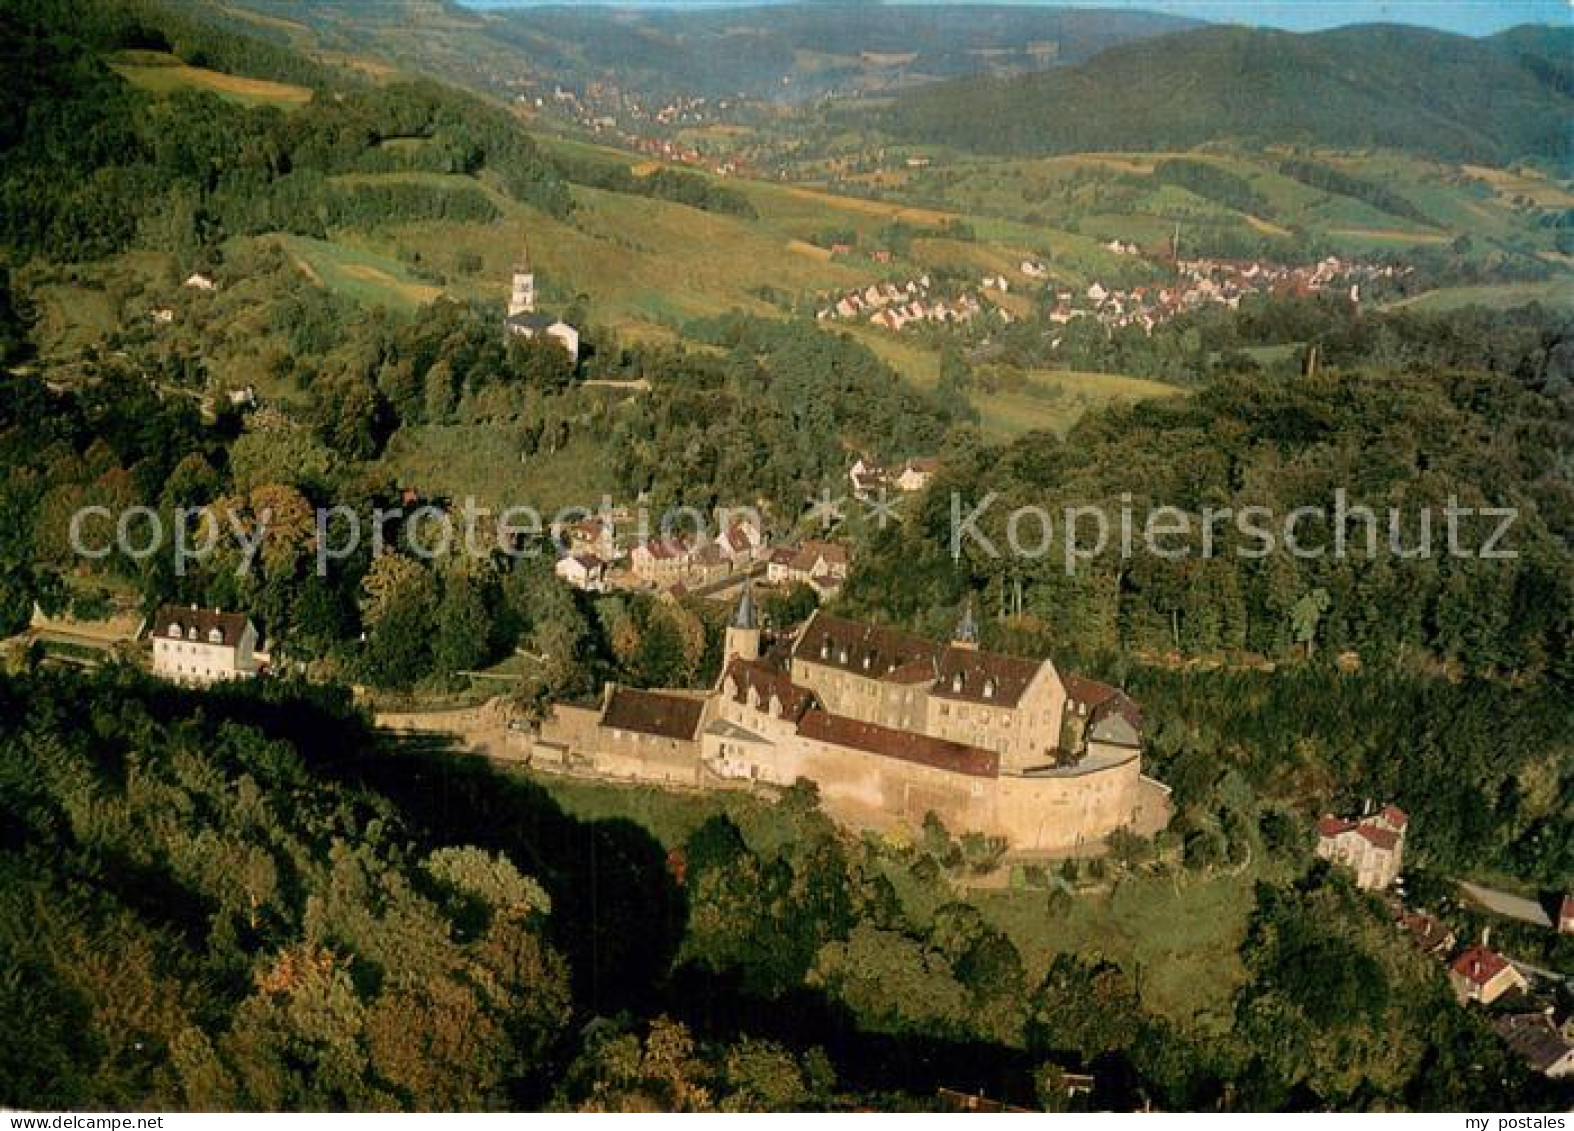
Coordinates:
<point>820,565</point>
<point>1373,847</point>
<point>1566,916</point>
<point>201,646</point>
<point>1431,936</point>
<point>197,281</point>
<point>595,534</point>
<point>1481,975</point>
<point>660,561</point>
<point>869,479</point>
<point>665,562</point>
<point>916,474</point>
<point>891,726</point>
<point>583,571</point>
<point>1537,1041</point>
<point>742,542</point>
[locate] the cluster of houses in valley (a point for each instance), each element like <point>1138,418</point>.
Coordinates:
<point>1372,847</point>
<point>597,558</point>
<point>1200,283</point>
<point>897,306</point>
<point>607,551</point>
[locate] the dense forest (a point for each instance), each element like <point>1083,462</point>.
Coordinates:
<point>1494,99</point>
<point>247,901</point>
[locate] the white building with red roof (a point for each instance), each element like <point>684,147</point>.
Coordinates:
<point>1483,975</point>
<point>1373,846</point>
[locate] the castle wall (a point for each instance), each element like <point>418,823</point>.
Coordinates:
<point>630,755</point>
<point>1069,812</point>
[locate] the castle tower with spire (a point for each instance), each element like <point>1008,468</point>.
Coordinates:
<point>743,634</point>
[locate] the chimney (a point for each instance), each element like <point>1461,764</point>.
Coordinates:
<point>1486,936</point>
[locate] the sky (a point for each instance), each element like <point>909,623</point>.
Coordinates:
<point>1467,17</point>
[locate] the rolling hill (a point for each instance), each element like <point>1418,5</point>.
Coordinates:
<point>778,52</point>
<point>1446,96</point>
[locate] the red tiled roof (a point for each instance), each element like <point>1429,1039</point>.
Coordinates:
<point>1395,816</point>
<point>664,548</point>
<point>652,712</point>
<point>737,539</point>
<point>1427,932</point>
<point>1381,838</point>
<point>1331,826</point>
<point>1101,700</point>
<point>1089,692</point>
<point>838,730</point>
<point>768,680</point>
<point>1479,965</point>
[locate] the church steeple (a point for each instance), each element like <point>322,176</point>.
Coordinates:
<point>522,299</point>
<point>743,634</point>
<point>966,635</point>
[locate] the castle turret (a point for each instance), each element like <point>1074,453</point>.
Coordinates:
<point>743,634</point>
<point>966,635</point>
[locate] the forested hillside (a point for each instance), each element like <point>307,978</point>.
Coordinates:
<point>1483,100</point>
<point>787,51</point>
<point>251,902</point>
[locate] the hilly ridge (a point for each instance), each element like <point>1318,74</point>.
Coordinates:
<point>1405,88</point>
<point>780,52</point>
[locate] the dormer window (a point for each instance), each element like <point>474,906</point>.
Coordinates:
<point>956,683</point>
<point>215,636</point>
<point>825,649</point>
<point>841,657</point>
<point>191,633</point>
<point>989,688</point>
<point>867,661</point>
<point>174,632</point>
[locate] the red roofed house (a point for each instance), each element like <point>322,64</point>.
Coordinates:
<point>1483,975</point>
<point>1374,847</point>
<point>1566,916</point>
<point>820,565</point>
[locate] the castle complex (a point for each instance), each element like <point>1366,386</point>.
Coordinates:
<point>891,726</point>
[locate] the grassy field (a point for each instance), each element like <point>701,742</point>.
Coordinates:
<point>1054,400</point>
<point>1552,292</point>
<point>360,274</point>
<point>484,461</point>
<point>1177,936</point>
<point>161,73</point>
